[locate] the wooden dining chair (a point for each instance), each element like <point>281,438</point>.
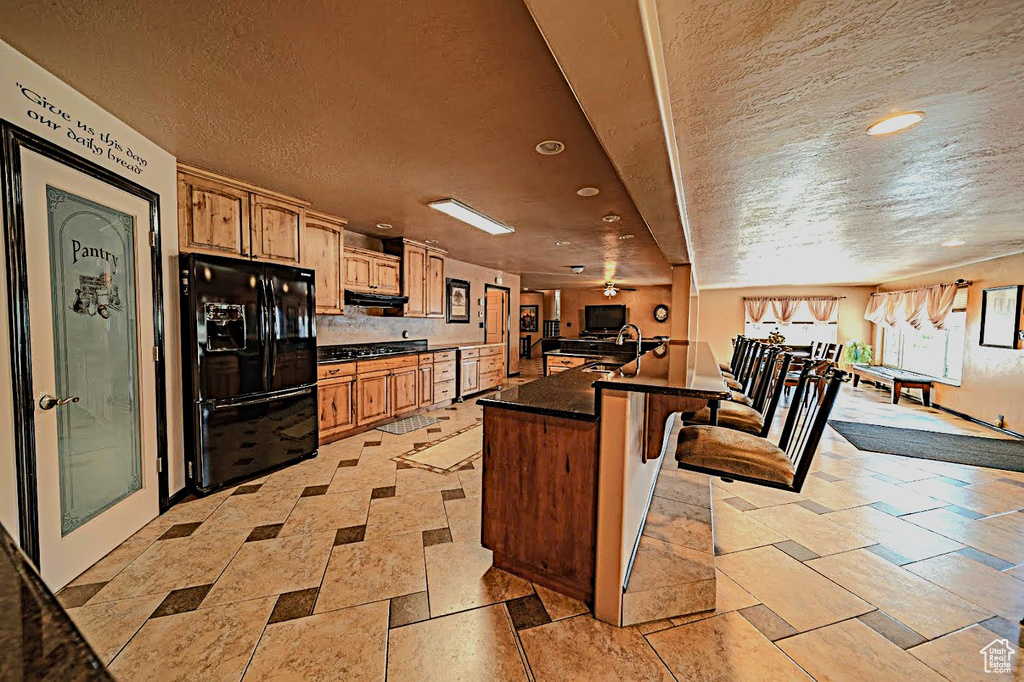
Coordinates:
<point>740,456</point>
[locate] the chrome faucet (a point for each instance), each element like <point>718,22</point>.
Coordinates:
<point>639,337</point>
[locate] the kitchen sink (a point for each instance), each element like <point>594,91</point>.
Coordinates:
<point>601,368</point>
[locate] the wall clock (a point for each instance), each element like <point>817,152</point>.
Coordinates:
<point>661,312</point>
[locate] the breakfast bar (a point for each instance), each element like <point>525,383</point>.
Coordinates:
<point>575,496</point>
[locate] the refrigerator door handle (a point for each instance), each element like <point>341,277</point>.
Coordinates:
<point>264,399</point>
<point>261,303</point>
<point>272,308</point>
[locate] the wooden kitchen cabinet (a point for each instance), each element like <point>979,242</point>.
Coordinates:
<point>404,390</point>
<point>227,217</point>
<point>435,290</point>
<point>213,216</point>
<point>323,251</point>
<point>469,375</point>
<point>371,272</point>
<point>426,387</point>
<point>422,276</point>
<point>337,406</point>
<point>372,393</point>
<point>276,230</point>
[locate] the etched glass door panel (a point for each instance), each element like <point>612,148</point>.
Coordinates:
<point>92,267</point>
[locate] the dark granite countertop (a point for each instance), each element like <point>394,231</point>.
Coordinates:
<point>330,354</point>
<point>568,394</point>
<point>684,369</point>
<point>37,638</point>
<point>602,356</point>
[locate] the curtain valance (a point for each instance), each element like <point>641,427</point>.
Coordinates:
<point>822,308</point>
<point>925,308</point>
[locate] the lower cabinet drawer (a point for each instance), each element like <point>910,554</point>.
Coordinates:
<point>444,371</point>
<point>444,391</point>
<point>491,364</point>
<point>444,356</point>
<point>490,380</point>
<point>470,352</point>
<point>490,351</point>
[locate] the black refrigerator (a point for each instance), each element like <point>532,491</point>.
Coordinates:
<point>249,332</point>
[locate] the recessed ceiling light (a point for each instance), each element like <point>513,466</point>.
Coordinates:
<point>891,124</point>
<point>550,147</point>
<point>460,211</point>
<point>588,191</point>
<point>430,241</point>
<point>625,236</point>
<point>384,226</point>
<point>611,218</point>
<point>954,242</point>
<point>561,243</point>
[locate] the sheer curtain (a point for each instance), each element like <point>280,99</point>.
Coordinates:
<point>876,309</point>
<point>784,309</point>
<point>914,307</point>
<point>823,309</point>
<point>917,308</point>
<point>940,303</point>
<point>756,308</point>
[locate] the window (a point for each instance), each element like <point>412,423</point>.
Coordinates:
<point>802,331</point>
<point>937,353</point>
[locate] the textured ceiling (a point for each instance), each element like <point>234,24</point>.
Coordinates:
<point>770,100</point>
<point>369,110</point>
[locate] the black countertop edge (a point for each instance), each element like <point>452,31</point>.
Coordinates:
<point>647,383</point>
<point>429,349</point>
<point>603,356</point>
<point>38,640</point>
<point>622,384</point>
<point>543,411</point>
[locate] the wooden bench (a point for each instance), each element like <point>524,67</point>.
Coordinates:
<point>897,379</point>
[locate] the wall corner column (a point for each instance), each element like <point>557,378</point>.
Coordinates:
<point>680,313</point>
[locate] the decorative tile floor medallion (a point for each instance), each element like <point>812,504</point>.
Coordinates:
<point>448,454</point>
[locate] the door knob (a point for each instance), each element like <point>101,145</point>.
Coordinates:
<point>48,402</point>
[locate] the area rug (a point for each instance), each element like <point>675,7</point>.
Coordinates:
<point>994,453</point>
<point>449,454</point>
<point>408,425</point>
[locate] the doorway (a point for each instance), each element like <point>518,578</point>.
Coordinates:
<point>87,354</point>
<point>496,317</point>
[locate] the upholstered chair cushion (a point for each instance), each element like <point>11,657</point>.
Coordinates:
<point>734,385</point>
<point>738,397</point>
<point>733,452</point>
<point>728,375</point>
<point>724,367</point>
<point>733,416</point>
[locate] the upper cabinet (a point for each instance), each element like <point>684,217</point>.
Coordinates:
<point>371,271</point>
<point>323,244</point>
<point>226,217</point>
<point>422,276</point>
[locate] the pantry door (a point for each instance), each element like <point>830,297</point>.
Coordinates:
<point>89,279</point>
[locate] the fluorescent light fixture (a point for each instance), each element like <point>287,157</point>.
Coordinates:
<point>891,124</point>
<point>464,213</point>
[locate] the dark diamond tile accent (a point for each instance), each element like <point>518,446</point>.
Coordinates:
<point>420,445</point>
<point>1019,484</point>
<point>409,608</point>
<point>371,443</point>
<point>451,409</point>
<point>796,550</point>
<point>466,467</point>
<point>292,605</point>
<point>965,512</point>
<point>893,630</point>
<point>768,622</point>
<point>718,551</point>
<point>434,430</point>
<point>314,490</point>
<point>247,489</point>
<point>264,532</point>
<point>826,477</point>
<point>953,481</point>
<point>888,479</point>
<point>814,507</point>
<point>527,612</point>
<point>347,463</point>
<point>403,465</point>
<point>180,601</point>
<point>889,555</point>
<point>72,597</point>
<point>830,455</point>
<point>444,418</point>
<point>346,536</point>
<point>987,559</point>
<point>1002,627</point>
<point>378,493</point>
<point>456,494</point>
<point>888,508</point>
<point>180,530</point>
<point>437,536</point>
<point>740,503</point>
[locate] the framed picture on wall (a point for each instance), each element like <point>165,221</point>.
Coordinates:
<point>1000,316</point>
<point>458,301</point>
<point>528,315</point>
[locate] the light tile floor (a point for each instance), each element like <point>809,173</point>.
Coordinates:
<point>350,567</point>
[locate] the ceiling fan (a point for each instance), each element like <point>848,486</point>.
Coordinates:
<point>611,290</point>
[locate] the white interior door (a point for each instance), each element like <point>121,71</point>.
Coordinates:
<point>91,309</point>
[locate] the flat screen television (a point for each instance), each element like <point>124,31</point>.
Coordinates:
<point>604,318</point>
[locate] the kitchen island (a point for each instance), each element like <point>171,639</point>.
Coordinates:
<point>571,467</point>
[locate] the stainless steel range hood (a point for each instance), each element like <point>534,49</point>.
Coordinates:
<point>366,300</point>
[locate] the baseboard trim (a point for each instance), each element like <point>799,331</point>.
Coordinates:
<point>975,420</point>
